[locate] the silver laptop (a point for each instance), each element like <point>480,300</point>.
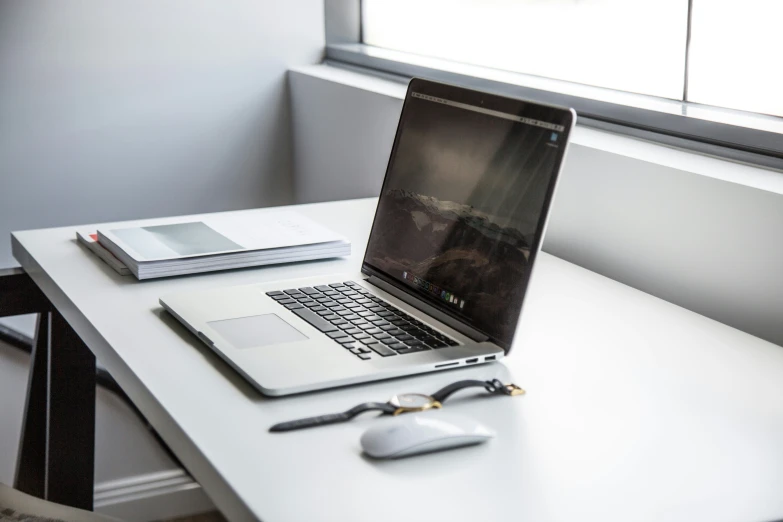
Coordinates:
<point>459,221</point>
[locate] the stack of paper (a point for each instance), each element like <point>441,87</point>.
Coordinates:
<point>222,242</point>
<point>89,238</point>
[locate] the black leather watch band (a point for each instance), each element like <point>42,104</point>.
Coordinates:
<point>494,386</point>
<point>333,418</point>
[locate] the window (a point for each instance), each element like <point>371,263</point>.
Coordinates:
<point>735,55</point>
<point>623,44</point>
<point>696,74</point>
<point>637,46</point>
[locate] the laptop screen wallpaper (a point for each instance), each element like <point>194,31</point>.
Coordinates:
<point>461,206</point>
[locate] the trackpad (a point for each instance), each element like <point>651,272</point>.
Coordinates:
<point>257,330</point>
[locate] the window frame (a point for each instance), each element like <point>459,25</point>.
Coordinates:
<point>674,126</point>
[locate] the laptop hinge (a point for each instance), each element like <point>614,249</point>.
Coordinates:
<point>428,309</point>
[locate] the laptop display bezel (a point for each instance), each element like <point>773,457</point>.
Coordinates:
<point>556,115</point>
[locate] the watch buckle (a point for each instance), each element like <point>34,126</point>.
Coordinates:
<point>514,390</point>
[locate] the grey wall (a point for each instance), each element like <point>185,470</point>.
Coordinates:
<point>124,109</point>
<point>707,244</point>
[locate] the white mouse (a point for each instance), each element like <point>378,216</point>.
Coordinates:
<point>421,433</point>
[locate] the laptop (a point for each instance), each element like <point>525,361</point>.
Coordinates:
<point>459,221</point>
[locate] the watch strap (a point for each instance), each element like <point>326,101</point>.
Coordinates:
<point>332,418</point>
<point>494,386</point>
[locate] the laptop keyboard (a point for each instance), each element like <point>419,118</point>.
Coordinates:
<point>359,321</point>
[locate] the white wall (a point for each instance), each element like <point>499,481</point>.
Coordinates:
<point>127,109</point>
<point>700,232</point>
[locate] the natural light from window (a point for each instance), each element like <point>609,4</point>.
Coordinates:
<point>735,55</point>
<point>628,45</point>
<point>637,46</point>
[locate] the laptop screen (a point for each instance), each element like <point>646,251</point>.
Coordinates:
<point>464,202</point>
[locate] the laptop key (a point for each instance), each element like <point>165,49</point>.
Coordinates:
<point>373,331</point>
<point>330,317</point>
<point>350,283</point>
<point>279,297</point>
<point>315,320</point>
<point>345,339</point>
<point>364,356</point>
<point>404,338</point>
<point>324,312</point>
<point>293,306</point>
<point>376,309</point>
<point>387,327</point>
<point>381,349</point>
<point>291,291</point>
<point>323,288</point>
<point>411,349</point>
<point>309,290</point>
<point>336,334</point>
<point>351,331</point>
<point>397,346</point>
<point>274,292</point>
<point>388,340</point>
<point>318,308</point>
<point>286,301</point>
<point>436,343</point>
<point>395,332</point>
<point>351,317</point>
<point>362,336</point>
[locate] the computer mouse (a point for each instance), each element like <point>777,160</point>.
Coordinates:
<point>421,433</point>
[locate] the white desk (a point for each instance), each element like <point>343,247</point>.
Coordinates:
<point>636,409</point>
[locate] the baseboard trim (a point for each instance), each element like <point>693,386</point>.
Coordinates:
<point>152,496</point>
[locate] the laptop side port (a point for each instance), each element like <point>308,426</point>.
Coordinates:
<point>490,357</point>
<point>471,361</point>
<point>444,365</point>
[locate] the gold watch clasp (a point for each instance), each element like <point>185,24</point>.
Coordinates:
<point>513,390</point>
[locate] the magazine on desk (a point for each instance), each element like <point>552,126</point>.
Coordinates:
<point>89,238</point>
<point>221,242</point>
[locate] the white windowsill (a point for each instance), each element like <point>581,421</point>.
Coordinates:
<point>746,175</point>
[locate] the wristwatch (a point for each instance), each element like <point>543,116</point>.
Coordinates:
<point>404,403</point>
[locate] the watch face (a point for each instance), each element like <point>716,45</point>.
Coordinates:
<point>412,400</point>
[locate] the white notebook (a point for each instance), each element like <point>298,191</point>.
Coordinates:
<point>221,242</point>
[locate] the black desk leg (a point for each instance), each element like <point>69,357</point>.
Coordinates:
<point>60,457</point>
<point>31,462</point>
<point>70,455</point>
